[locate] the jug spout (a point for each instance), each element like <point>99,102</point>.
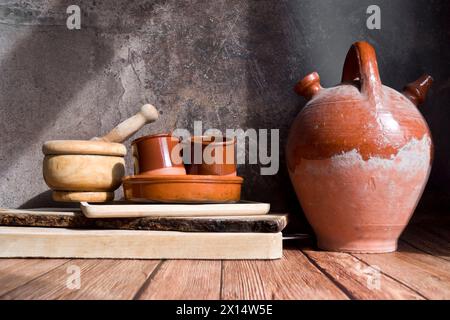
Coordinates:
<point>309,86</point>
<point>417,91</point>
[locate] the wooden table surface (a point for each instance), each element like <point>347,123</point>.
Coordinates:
<point>419,270</point>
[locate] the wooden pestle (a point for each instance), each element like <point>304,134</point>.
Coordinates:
<point>127,128</point>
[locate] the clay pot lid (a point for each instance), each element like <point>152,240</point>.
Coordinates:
<point>87,147</point>
<point>190,178</point>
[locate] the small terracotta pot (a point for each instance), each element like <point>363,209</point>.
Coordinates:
<point>153,155</point>
<point>225,165</point>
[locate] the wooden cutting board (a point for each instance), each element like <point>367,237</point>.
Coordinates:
<point>74,218</point>
<point>24,242</point>
<point>117,210</point>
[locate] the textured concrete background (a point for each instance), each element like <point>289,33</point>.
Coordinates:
<point>229,63</point>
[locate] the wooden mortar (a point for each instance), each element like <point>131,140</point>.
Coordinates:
<point>82,170</point>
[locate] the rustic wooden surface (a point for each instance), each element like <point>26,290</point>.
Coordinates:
<point>31,242</point>
<point>420,269</point>
<point>76,219</point>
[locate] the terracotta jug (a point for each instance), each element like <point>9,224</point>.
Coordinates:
<point>359,155</point>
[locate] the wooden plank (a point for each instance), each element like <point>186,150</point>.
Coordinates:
<point>241,280</point>
<point>359,279</point>
<point>292,277</point>
<point>75,219</point>
<point>427,275</point>
<point>184,279</point>
<point>173,210</point>
<point>99,279</point>
<point>137,244</point>
<point>45,217</point>
<point>431,242</point>
<point>423,259</point>
<point>441,230</point>
<point>17,272</point>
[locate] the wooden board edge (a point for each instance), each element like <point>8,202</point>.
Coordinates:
<point>21,242</point>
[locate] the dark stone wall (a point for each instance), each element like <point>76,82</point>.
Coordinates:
<point>229,63</point>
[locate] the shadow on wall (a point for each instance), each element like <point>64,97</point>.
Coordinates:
<point>289,39</point>
<point>433,53</point>
<point>271,101</point>
<point>46,66</point>
<point>43,67</point>
<point>41,72</point>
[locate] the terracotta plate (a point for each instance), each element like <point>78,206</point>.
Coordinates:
<point>183,188</point>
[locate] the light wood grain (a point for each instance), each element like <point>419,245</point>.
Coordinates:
<point>409,273</point>
<point>173,210</point>
<point>17,272</point>
<point>292,277</point>
<point>427,275</point>
<point>100,279</point>
<point>77,196</point>
<point>137,244</point>
<point>241,280</point>
<point>185,279</point>
<point>359,279</point>
<point>77,147</point>
<point>72,174</point>
<point>130,126</point>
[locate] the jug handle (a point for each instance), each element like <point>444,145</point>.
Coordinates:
<point>361,64</point>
